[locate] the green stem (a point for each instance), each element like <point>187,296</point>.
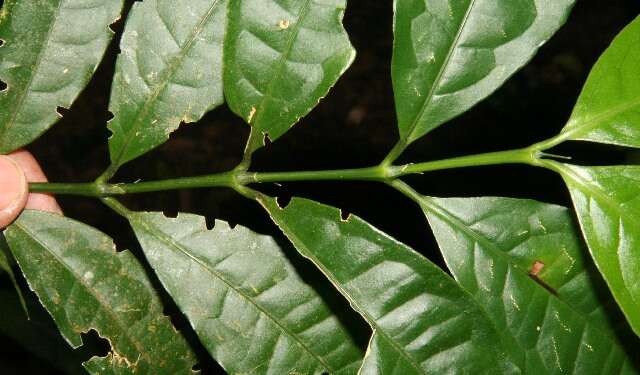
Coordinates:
<point>519,156</point>
<point>237,178</point>
<point>107,174</point>
<point>254,142</point>
<point>226,179</point>
<point>395,153</point>
<point>407,190</point>
<point>358,174</point>
<point>90,189</point>
<point>116,206</point>
<point>551,142</point>
<point>85,189</point>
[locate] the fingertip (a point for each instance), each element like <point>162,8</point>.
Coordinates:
<point>29,165</point>
<point>34,173</point>
<point>14,190</point>
<point>43,202</point>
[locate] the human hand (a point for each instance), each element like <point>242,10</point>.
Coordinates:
<point>16,171</point>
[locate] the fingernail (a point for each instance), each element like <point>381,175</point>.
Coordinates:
<point>13,185</point>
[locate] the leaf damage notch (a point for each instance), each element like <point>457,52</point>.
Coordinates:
<point>210,222</point>
<point>345,215</point>
<point>61,111</point>
<point>283,201</point>
<point>102,348</point>
<point>266,141</point>
<point>116,26</point>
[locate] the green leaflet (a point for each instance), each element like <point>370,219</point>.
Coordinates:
<point>607,204</point>
<point>423,322</point>
<point>281,58</point>
<point>244,299</point>
<point>449,55</point>
<point>169,71</point>
<point>608,109</point>
<point>51,49</point>
<point>85,284</point>
<point>491,245</point>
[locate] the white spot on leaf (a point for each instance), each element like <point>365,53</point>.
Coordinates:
<point>283,24</point>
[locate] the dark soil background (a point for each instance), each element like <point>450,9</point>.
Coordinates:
<point>353,127</point>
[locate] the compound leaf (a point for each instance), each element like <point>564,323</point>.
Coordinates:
<point>423,322</point>
<point>608,109</point>
<point>449,55</point>
<point>607,201</point>
<point>281,58</point>
<point>51,49</point>
<point>244,299</point>
<point>169,71</point>
<point>84,284</point>
<point>523,263</point>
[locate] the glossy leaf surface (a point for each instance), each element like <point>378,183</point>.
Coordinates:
<point>423,322</point>
<point>449,55</point>
<point>169,71</point>
<point>244,299</point>
<point>85,284</point>
<point>523,263</point>
<point>608,109</point>
<point>51,49</point>
<point>607,201</point>
<point>281,58</point>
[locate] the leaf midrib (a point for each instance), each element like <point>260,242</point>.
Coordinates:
<point>159,235</point>
<point>581,128</point>
<point>168,75</point>
<point>36,67</point>
<point>302,13</point>
<point>445,65</point>
<point>123,327</point>
<point>443,213</point>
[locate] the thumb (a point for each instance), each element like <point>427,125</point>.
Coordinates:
<point>14,191</point>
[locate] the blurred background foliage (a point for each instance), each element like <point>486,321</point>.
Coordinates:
<point>353,127</point>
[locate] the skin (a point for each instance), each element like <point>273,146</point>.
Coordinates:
<point>16,171</point>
